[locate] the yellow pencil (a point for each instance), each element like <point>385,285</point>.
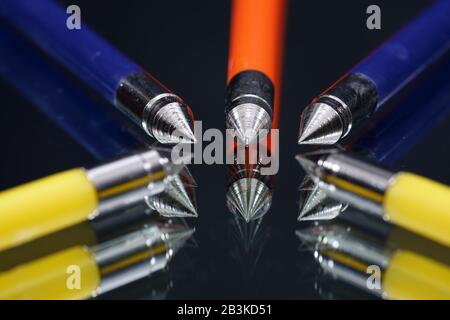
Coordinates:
<point>356,258</point>
<point>82,272</point>
<point>411,201</point>
<point>49,204</point>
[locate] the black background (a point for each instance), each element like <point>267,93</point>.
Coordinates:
<point>184,44</point>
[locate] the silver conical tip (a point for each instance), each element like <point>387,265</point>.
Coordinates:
<point>312,162</point>
<point>173,124</point>
<point>320,124</point>
<point>249,197</point>
<point>250,122</point>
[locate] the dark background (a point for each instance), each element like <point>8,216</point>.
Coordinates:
<point>184,44</point>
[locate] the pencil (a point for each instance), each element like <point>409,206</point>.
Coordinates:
<point>162,114</point>
<point>102,268</point>
<point>346,254</point>
<point>365,88</point>
<point>386,141</point>
<point>417,112</point>
<point>62,100</point>
<point>254,67</point>
<point>408,200</point>
<point>49,204</point>
<point>85,120</point>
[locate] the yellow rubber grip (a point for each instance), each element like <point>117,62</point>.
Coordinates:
<point>413,277</point>
<point>43,206</point>
<point>70,274</point>
<point>421,205</point>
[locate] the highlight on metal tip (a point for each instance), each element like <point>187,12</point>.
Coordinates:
<point>320,124</point>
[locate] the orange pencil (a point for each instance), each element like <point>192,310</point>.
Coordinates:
<point>254,66</point>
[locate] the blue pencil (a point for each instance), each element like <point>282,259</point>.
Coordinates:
<point>366,87</point>
<point>85,119</point>
<point>62,100</point>
<point>425,104</point>
<point>162,114</point>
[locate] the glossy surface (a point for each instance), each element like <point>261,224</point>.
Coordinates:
<point>229,258</point>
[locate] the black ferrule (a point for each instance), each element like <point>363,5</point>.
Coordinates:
<point>135,91</point>
<point>250,86</point>
<point>357,91</point>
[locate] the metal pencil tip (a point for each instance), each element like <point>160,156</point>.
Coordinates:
<point>250,122</point>
<point>320,124</point>
<point>173,124</point>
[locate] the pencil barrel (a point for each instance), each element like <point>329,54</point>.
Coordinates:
<point>81,50</point>
<point>257,34</point>
<point>69,274</point>
<point>413,277</point>
<point>421,205</point>
<point>410,51</point>
<point>44,206</point>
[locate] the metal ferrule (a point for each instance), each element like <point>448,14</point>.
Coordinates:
<point>130,257</point>
<point>128,199</point>
<point>142,98</point>
<point>353,98</point>
<point>250,98</point>
<point>353,277</point>
<point>120,183</point>
<point>360,184</point>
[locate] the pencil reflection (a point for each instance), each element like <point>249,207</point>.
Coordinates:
<point>112,251</point>
<point>249,194</point>
<point>178,198</point>
<point>389,263</point>
<point>247,242</point>
<point>249,198</point>
<point>315,204</point>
